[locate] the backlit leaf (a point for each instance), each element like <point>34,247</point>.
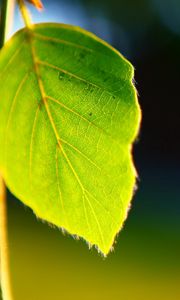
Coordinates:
<point>68,117</point>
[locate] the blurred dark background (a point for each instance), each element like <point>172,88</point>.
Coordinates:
<point>146,261</point>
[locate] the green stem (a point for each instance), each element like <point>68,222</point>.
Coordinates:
<point>4,249</point>
<point>6,20</point>
<point>25,13</point>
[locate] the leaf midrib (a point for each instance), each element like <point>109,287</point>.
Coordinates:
<point>44,99</point>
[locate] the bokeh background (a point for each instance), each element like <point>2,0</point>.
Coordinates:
<point>145,264</point>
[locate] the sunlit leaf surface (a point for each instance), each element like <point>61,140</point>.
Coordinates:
<point>68,117</point>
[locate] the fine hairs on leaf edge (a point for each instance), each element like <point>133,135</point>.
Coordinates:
<point>79,238</point>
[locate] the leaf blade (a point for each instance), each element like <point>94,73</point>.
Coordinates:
<point>83,115</point>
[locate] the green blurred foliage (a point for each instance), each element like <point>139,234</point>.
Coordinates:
<point>144,264</point>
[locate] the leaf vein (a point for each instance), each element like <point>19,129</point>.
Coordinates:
<point>41,88</point>
<point>59,189</point>
<point>12,58</point>
<point>75,113</point>
<point>44,63</point>
<point>102,206</point>
<point>11,111</point>
<point>81,153</point>
<point>83,191</point>
<point>61,41</point>
<point>31,144</point>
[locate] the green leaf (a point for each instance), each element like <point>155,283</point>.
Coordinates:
<point>69,114</point>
